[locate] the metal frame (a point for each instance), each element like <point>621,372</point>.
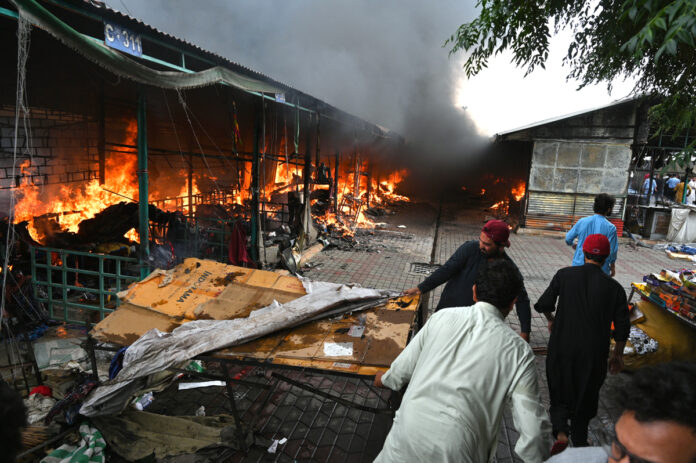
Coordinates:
<point>244,432</point>
<point>102,292</point>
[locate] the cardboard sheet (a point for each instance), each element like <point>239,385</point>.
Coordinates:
<point>385,333</point>
<point>194,290</point>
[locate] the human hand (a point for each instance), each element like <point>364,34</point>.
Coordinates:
<point>525,336</point>
<point>378,379</point>
<point>412,291</point>
<point>616,363</point>
<point>550,325</point>
<point>575,246</point>
<point>612,269</point>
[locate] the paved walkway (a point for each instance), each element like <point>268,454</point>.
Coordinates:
<point>537,256</point>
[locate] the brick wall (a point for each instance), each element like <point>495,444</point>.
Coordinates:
<point>61,148</point>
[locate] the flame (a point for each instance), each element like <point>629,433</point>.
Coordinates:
<point>74,203</point>
<point>483,191</point>
<point>70,204</point>
<point>519,190</point>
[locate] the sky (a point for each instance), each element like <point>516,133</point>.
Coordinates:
<point>383,61</point>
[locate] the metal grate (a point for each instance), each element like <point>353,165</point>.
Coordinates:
<point>419,268</point>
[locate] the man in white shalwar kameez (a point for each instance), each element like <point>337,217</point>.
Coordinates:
<point>461,369</point>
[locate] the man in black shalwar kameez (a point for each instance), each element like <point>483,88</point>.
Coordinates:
<point>589,301</point>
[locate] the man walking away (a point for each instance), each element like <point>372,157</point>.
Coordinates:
<point>597,223</point>
<point>462,369</point>
<point>658,423</point>
<point>576,364</point>
<point>672,187</point>
<point>460,270</point>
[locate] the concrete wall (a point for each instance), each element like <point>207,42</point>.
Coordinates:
<point>573,166</point>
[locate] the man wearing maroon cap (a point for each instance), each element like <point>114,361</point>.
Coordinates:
<point>460,271</point>
<point>589,301</point>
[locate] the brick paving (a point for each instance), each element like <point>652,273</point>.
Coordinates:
<point>538,256</point>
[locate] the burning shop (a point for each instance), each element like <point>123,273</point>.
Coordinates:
<point>125,149</point>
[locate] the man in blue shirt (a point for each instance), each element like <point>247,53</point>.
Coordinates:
<point>597,223</point>
<point>672,187</point>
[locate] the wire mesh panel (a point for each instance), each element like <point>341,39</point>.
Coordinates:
<point>70,282</point>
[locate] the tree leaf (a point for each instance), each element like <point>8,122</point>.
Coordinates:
<point>632,13</point>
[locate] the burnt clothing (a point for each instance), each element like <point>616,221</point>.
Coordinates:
<point>460,273</point>
<point>589,301</point>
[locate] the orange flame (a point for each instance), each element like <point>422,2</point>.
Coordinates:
<point>71,204</point>
<point>519,190</point>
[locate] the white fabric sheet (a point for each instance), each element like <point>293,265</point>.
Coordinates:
<point>156,351</point>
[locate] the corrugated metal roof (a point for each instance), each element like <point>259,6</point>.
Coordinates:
<point>568,116</point>
<point>100,8</point>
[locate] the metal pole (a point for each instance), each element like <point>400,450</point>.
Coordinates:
<point>190,187</point>
<point>142,184</point>
<point>650,181</point>
<point>255,189</point>
<point>102,137</point>
<point>369,185</point>
<point>337,158</point>
<point>307,158</point>
<point>317,150</point>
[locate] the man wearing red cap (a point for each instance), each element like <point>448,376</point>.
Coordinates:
<point>460,270</point>
<point>589,301</point>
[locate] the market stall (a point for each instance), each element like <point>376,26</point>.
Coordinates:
<point>663,324</point>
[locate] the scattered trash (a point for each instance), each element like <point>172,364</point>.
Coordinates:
<point>200,411</point>
<point>641,342</point>
<point>142,402</point>
<point>184,386</point>
<point>338,349</point>
<point>43,390</point>
<point>51,352</point>
<point>356,331</point>
<point>38,407</point>
<point>274,446</point>
<point>90,448</point>
<point>195,365</point>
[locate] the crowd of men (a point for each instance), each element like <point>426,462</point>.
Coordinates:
<point>466,363</point>
<point>668,188</point>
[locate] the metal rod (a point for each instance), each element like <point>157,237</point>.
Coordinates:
<point>336,165</point>
<point>239,431</point>
<point>102,135</point>
<point>340,400</point>
<point>307,159</point>
<point>118,194</point>
<point>143,184</point>
<point>255,188</point>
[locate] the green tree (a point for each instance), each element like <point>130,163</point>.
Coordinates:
<point>653,42</point>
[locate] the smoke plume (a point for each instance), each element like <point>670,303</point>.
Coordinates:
<point>383,61</point>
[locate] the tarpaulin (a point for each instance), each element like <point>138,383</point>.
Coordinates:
<point>682,226</point>
<point>123,66</point>
<point>164,436</point>
<point>156,351</point>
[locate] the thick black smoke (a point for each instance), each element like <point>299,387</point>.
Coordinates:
<point>382,60</point>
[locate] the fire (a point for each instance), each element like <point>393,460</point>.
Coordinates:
<point>72,203</point>
<point>483,191</point>
<point>519,190</point>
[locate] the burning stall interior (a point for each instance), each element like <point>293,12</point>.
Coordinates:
<point>107,174</point>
